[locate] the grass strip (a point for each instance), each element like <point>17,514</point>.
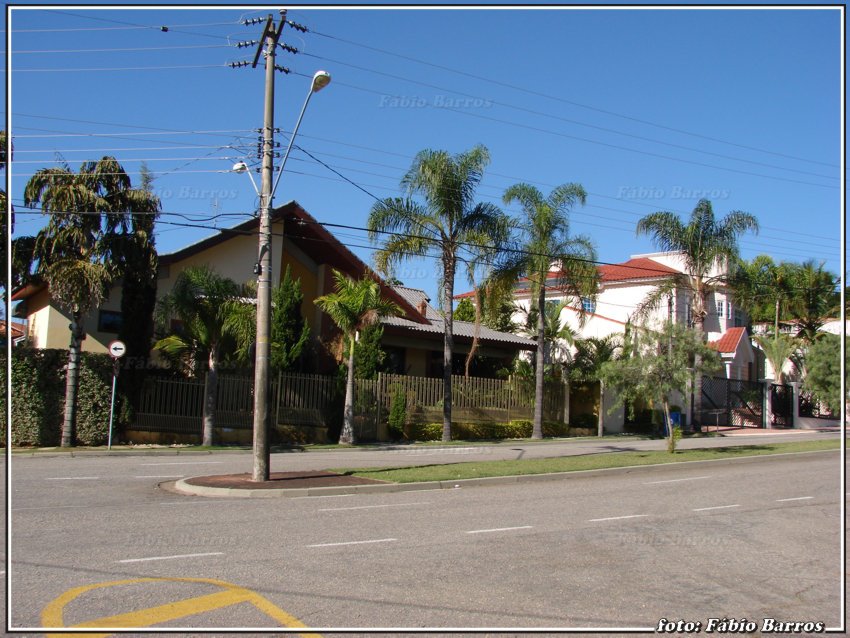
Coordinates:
<point>575,463</point>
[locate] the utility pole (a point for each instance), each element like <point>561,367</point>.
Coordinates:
<point>267,46</point>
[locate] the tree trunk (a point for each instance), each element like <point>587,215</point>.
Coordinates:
<point>448,348</point>
<point>671,440</point>
<point>600,425</point>
<point>699,326</point>
<point>537,432</point>
<point>211,398</point>
<point>346,437</point>
<point>72,381</point>
<point>476,332</point>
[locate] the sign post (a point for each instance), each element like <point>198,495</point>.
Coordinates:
<point>117,349</point>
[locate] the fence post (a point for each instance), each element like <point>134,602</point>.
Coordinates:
<point>729,419</point>
<point>795,403</point>
<point>567,401</point>
<point>379,399</point>
<point>767,405</point>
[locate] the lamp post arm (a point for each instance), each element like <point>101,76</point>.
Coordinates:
<point>289,147</point>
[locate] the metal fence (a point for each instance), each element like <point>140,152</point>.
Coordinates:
<point>811,407</point>
<point>731,402</point>
<point>781,405</point>
<point>315,401</point>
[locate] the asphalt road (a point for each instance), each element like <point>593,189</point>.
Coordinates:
<point>754,538</point>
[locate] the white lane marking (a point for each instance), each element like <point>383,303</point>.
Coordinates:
<point>370,507</point>
<point>142,560</point>
<point>160,476</point>
<point>798,498</point>
<point>692,478</point>
<point>73,478</point>
<point>498,529</point>
<point>204,502</point>
<point>185,463</point>
<point>298,498</point>
<point>617,518</point>
<point>716,507</point>
<point>379,540</point>
<point>51,507</point>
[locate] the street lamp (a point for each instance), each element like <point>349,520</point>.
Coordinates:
<point>263,271</point>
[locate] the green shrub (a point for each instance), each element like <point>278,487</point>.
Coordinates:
<point>673,440</point>
<point>38,397</point>
<point>398,413</point>
<point>93,400</point>
<point>468,431</point>
<point>585,421</point>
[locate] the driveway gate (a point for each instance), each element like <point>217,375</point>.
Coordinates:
<point>781,402</point>
<point>732,402</point>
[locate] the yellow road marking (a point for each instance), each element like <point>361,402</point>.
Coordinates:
<point>52,615</point>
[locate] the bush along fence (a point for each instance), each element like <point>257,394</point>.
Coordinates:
<point>38,398</point>
<point>308,408</point>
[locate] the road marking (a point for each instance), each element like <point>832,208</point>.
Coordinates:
<point>51,507</point>
<point>185,463</point>
<point>617,518</point>
<point>73,478</point>
<point>498,529</point>
<point>798,498</point>
<point>145,476</point>
<point>52,615</point>
<point>203,502</point>
<point>380,540</point>
<point>716,507</point>
<point>692,478</point>
<point>298,498</point>
<point>369,507</point>
<point>142,560</point>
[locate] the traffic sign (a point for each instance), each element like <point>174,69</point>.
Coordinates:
<point>117,349</point>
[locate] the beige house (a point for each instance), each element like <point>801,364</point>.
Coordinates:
<point>413,341</point>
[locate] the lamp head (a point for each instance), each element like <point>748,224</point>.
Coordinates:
<point>320,80</point>
<point>240,167</point>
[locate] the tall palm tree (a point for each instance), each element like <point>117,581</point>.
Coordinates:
<point>200,300</point>
<point>591,354</point>
<point>445,223</point>
<point>777,350</point>
<point>545,241</point>
<point>74,251</point>
<point>814,297</point>
<point>352,307</point>
<point>558,336</point>
<point>706,244</point>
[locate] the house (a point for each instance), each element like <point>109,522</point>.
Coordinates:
<point>300,242</point>
<point>622,289</point>
<point>14,331</point>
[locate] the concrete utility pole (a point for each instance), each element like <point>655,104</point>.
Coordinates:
<point>267,46</point>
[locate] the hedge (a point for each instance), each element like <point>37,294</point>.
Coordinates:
<point>520,429</point>
<point>38,397</point>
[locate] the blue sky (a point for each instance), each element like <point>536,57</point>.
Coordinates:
<point>648,109</point>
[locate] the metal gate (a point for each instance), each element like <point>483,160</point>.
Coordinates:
<point>732,403</point>
<point>781,404</point>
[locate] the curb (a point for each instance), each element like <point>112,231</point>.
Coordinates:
<point>184,488</point>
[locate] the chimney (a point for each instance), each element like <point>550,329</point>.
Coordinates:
<point>422,306</point>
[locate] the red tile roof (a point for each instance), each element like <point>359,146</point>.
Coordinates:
<point>638,268</point>
<point>729,340</point>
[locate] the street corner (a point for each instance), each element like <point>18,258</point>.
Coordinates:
<point>143,603</point>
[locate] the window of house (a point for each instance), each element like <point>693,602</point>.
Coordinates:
<point>109,321</point>
<point>719,305</point>
<point>689,317</point>
<point>589,305</point>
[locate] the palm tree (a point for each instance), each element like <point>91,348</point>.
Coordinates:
<point>352,307</point>
<point>445,223</point>
<point>545,241</point>
<point>200,300</point>
<point>74,251</point>
<point>777,350</point>
<point>706,245</point>
<point>761,287</point>
<point>558,336</point>
<point>591,354</point>
<point>813,298</point>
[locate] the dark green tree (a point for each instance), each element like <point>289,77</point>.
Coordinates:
<point>814,299</point>
<point>447,221</point>
<point>823,371</point>
<point>465,310</point>
<point>586,367</point>
<point>708,246</point>
<point>369,357</point>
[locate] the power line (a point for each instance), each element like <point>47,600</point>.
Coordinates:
<point>565,101</point>
<point>126,49</point>
<point>125,68</point>
<point>565,119</point>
